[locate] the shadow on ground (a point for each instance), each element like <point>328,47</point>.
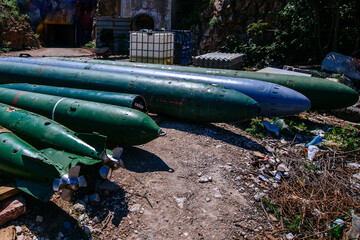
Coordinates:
<point>141,161</point>
<point>215,132</point>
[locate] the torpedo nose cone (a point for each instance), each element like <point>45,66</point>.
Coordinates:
<point>283,101</point>
<point>253,108</point>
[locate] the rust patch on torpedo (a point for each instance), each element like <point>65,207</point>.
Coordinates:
<point>12,109</point>
<point>4,130</point>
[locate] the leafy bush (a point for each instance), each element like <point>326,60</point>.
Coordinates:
<point>4,47</point>
<point>90,44</point>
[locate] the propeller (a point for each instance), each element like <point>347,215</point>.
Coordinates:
<point>113,162</point>
<point>69,183</point>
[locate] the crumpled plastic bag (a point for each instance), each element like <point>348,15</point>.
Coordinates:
<point>354,231</point>
<point>338,63</point>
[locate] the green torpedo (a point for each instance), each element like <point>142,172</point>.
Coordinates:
<point>194,101</point>
<point>41,173</point>
<point>323,94</point>
<point>122,126</point>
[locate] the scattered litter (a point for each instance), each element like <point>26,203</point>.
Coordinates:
<point>316,141</point>
<point>278,177</point>
<point>357,176</point>
<point>289,236</point>
<point>282,168</point>
<point>263,178</point>
<point>271,127</point>
<point>259,196</point>
<point>353,165</point>
<point>354,231</point>
<point>312,150</point>
<point>318,132</point>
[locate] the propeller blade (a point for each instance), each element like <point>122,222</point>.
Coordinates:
<point>82,181</point>
<point>74,172</point>
<point>66,194</point>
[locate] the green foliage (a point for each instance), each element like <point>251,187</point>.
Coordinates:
<point>348,139</point>
<point>90,44</point>
<point>257,28</point>
<point>214,22</point>
<point>296,223</point>
<point>304,32</point>
<point>11,6</point>
<point>273,208</point>
<point>309,166</point>
<point>312,28</point>
<point>4,47</point>
<point>211,2</point>
<point>256,128</point>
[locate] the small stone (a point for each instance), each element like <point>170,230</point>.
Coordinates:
<point>18,230</point>
<point>39,219</point>
<point>180,201</point>
<point>186,234</point>
<point>20,237</point>
<point>135,208</point>
<point>289,236</point>
<point>208,199</point>
<point>273,218</point>
<point>8,233</point>
<point>96,219</point>
<point>94,199</point>
<point>12,208</point>
<point>82,217</point>
<point>60,235</point>
<point>258,196</point>
<point>217,193</point>
<point>275,185</point>
<point>135,231</point>
<point>88,229</point>
<point>204,179</point>
<point>80,207</point>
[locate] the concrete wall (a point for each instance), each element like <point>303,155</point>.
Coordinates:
<point>159,10</point>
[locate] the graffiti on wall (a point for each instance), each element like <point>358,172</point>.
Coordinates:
<point>79,13</point>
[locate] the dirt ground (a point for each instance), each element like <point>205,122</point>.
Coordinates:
<point>197,182</point>
<point>52,52</point>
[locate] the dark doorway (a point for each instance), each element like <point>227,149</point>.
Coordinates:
<point>60,35</point>
<point>142,21</point>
